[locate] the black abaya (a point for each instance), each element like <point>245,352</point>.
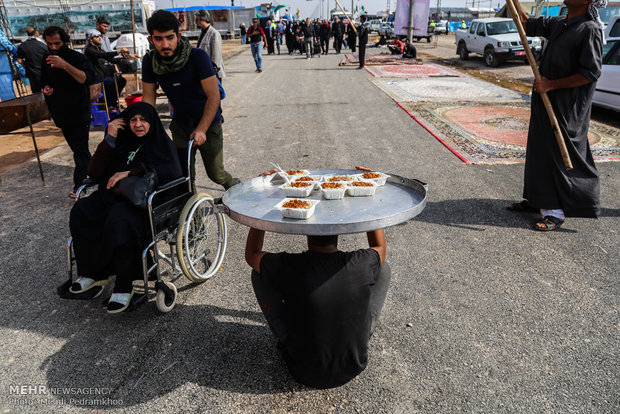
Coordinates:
<point>573,47</point>
<point>108,232</point>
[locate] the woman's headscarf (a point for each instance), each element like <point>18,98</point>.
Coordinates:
<point>154,150</point>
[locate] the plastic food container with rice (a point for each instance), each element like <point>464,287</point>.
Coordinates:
<point>375,176</point>
<point>361,188</point>
<point>293,174</point>
<point>333,190</point>
<point>297,209</point>
<point>339,178</point>
<point>297,188</point>
<point>316,179</point>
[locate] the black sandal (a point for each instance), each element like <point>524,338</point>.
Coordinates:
<point>522,207</point>
<point>550,222</point>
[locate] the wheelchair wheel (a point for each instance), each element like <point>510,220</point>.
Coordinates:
<point>201,238</point>
<point>164,302</point>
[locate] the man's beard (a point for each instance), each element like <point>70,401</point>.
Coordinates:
<point>59,51</point>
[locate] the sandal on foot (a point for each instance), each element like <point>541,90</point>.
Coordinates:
<point>119,302</point>
<point>522,207</point>
<point>84,284</point>
<point>550,223</point>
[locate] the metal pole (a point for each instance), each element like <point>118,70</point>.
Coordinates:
<point>410,26</point>
<point>34,141</point>
<point>133,27</point>
<point>133,34</point>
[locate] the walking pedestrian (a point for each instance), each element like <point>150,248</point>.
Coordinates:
<point>337,33</point>
<point>351,37</point>
<point>325,32</point>
<point>242,33</point>
<point>66,76</point>
<point>30,54</point>
<point>257,41</point>
<point>362,33</point>
<point>210,41</point>
<point>308,33</point>
<point>188,79</point>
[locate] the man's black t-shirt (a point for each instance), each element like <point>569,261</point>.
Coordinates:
<point>33,51</point>
<point>70,102</point>
<point>326,300</point>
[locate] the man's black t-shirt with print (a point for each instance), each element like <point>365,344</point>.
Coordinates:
<point>327,313</point>
<point>183,88</point>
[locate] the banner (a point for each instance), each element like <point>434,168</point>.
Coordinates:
<point>420,17</point>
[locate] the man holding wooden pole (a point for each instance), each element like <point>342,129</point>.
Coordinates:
<point>569,67</point>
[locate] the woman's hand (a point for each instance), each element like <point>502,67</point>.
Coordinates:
<point>116,178</point>
<point>115,125</point>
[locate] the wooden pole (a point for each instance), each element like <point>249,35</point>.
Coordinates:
<point>347,16</point>
<point>530,57</point>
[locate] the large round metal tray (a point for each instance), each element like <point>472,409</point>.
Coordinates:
<point>252,203</point>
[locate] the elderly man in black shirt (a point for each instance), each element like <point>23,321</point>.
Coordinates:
<point>103,64</point>
<point>322,304</point>
<point>30,53</point>
<point>569,66</point>
<point>338,32</point>
<point>65,76</point>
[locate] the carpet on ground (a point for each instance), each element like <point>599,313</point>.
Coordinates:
<point>496,132</point>
<point>351,59</point>
<point>434,89</point>
<point>413,71</point>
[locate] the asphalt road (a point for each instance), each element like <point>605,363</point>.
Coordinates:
<point>483,314</point>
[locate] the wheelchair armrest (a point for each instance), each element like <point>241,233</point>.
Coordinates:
<point>86,184</point>
<point>165,187</point>
<point>171,184</point>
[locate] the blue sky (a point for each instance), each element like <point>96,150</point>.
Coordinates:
<point>307,7</point>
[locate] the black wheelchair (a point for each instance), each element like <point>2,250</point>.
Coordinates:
<point>188,237</point>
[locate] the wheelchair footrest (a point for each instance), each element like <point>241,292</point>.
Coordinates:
<point>137,300</point>
<point>63,292</point>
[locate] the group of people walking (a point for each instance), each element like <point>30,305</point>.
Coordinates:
<point>306,37</point>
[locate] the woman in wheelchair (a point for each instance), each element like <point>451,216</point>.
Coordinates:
<point>109,233</point>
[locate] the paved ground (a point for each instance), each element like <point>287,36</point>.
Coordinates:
<point>483,315</point>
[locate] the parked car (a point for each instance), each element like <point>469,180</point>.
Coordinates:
<point>374,25</point>
<point>496,39</point>
<point>613,28</point>
<point>387,29</point>
<point>607,91</point>
<point>441,27</point>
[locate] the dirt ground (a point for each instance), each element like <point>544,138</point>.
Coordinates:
<point>17,147</point>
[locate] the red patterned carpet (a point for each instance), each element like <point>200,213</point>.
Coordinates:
<point>496,133</point>
<point>381,59</point>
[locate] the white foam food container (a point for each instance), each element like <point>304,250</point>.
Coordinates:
<point>342,178</point>
<point>293,176</point>
<point>379,180</point>
<point>334,193</point>
<point>315,178</point>
<point>355,191</point>
<point>297,213</point>
<point>291,191</point>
